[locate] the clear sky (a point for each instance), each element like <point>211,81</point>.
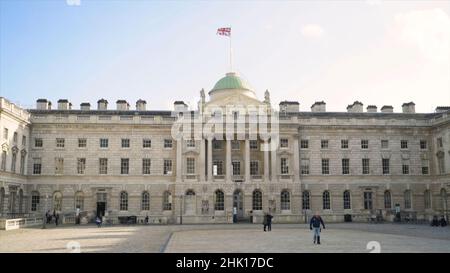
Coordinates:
<point>377,52</point>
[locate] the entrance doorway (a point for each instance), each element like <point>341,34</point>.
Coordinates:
<point>238,203</point>
<point>101,207</point>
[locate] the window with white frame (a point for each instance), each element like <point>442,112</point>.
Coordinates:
<point>103,166</point>
<point>364,144</point>
<point>145,202</point>
<point>384,144</point>
<point>408,197</point>
<point>304,144</point>
<point>81,165</point>
<point>218,165</point>
<point>219,200</point>
<point>344,143</point>
<point>325,166</point>
<point>190,165</point>
<point>104,143</point>
<point>365,166</point>
<point>253,144</point>
<point>423,144</point>
<point>285,200</point>
<point>368,201</point>
<point>125,143</point>
<point>306,204</point>
<point>425,168</point>
<point>37,166</point>
<point>82,143</point>
<point>60,142</point>
<point>326,204</point>
<point>347,200</point>
<point>35,199</point>
<point>167,200</point>
<point>324,144</point>
<point>190,143</point>
<point>79,200</point>
<point>123,201</point>
<point>167,166</point>
<point>38,143</point>
<point>254,167</point>
<point>146,143</point>
<point>387,199</point>
<point>59,165</point>
<point>284,165</point>
<point>236,167</point>
<point>405,167</point>
<point>146,165</point>
<point>257,200</point>
<point>168,143</point>
<point>304,166</point>
<point>124,165</point>
<point>284,143</point>
<point>345,166</point>
<point>403,144</point>
<point>385,165</point>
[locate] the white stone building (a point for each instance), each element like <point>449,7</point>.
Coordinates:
<point>126,162</point>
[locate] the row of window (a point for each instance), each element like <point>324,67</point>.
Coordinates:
<point>15,137</point>
<point>324,144</point>
<point>13,162</point>
<point>103,166</point>
<point>257,203</point>
<point>104,143</point>
<point>365,163</point>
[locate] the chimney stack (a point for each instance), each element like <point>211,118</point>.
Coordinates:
<point>356,107</point>
<point>387,109</point>
<point>63,104</point>
<point>85,106</point>
<point>141,105</point>
<point>102,104</point>
<point>289,106</point>
<point>318,106</point>
<point>371,109</point>
<point>409,108</point>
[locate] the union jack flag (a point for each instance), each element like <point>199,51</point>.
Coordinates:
<point>226,31</point>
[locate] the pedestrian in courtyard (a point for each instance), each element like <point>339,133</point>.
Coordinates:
<point>435,221</point>
<point>234,214</point>
<point>56,219</point>
<point>443,221</point>
<point>98,221</point>
<point>265,221</point>
<point>269,222</point>
<point>146,220</point>
<point>314,224</point>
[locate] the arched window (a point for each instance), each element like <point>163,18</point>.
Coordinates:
<point>427,199</point>
<point>35,199</point>
<point>347,200</point>
<point>285,200</point>
<point>306,204</point>
<point>20,201</point>
<point>57,201</point>
<point>387,200</point>
<point>79,200</point>
<point>407,196</point>
<point>219,200</point>
<point>167,200</point>
<point>257,200</point>
<point>2,199</point>
<point>123,201</point>
<point>145,202</point>
<point>326,200</point>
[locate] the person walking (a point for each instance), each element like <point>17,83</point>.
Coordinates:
<point>269,222</point>
<point>314,224</point>
<point>56,219</point>
<point>265,221</point>
<point>234,214</point>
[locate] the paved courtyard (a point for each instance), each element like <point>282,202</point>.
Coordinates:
<point>352,237</point>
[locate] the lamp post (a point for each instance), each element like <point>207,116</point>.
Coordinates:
<point>181,209</point>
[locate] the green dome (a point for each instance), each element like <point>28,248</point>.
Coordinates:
<point>231,81</point>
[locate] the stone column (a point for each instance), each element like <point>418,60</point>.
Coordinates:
<point>296,165</point>
<point>228,159</point>
<point>247,160</point>
<point>210,165</point>
<point>202,160</point>
<point>179,159</point>
<point>266,165</point>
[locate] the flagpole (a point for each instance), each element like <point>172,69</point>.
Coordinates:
<point>231,55</point>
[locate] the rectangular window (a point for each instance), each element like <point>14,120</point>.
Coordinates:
<point>34,202</point>
<point>103,143</point>
<point>190,143</point>
<point>344,143</point>
<point>5,133</point>
<point>441,164</point>
<point>423,144</point>
<point>253,145</point>
<point>345,166</point>
<point>218,169</point>
<point>284,142</point>
<point>324,144</point>
<point>405,169</point>
<point>24,140</point>
<point>60,142</point>
<point>81,165</point>
<point>217,144</point>
<point>403,144</point>
<point>125,143</point>
<point>124,165</point>
<point>368,203</point>
<point>59,165</point>
<point>146,165</point>
<point>15,137</point>
<point>190,165</point>
<point>168,166</point>
<point>3,167</point>
<point>38,143</point>
<point>235,145</point>
<point>364,144</point>
<point>365,166</point>
<point>425,170</point>
<point>304,144</point>
<point>385,165</point>
<point>22,164</point>
<point>37,166</point>
<point>236,167</point>
<point>304,166</point>
<point>168,144</point>
<point>103,166</point>
<point>384,144</point>
<point>146,143</point>
<point>254,167</point>
<point>439,142</point>
<point>82,143</point>
<point>284,166</point>
<point>325,166</point>
<point>13,162</point>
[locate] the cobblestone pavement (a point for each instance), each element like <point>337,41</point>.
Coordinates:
<point>351,237</point>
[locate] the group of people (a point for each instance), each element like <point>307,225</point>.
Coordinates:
<point>49,217</point>
<point>314,225</point>
<point>436,223</point>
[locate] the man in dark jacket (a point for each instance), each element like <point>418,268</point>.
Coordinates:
<point>314,224</point>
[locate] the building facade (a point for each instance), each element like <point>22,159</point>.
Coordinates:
<point>137,162</point>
